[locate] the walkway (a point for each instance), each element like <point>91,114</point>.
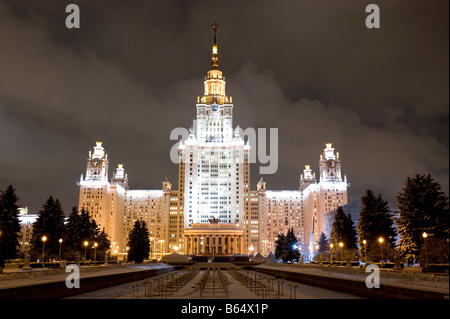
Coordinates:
<point>251,286</point>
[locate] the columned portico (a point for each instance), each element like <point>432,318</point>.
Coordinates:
<point>213,239</point>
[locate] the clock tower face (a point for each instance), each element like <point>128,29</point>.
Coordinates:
<point>331,163</point>
<point>95,162</point>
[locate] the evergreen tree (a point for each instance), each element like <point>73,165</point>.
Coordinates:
<point>375,221</point>
<point>280,246</point>
<point>286,247</point>
<point>324,244</point>
<point>386,223</point>
<point>72,234</point>
<point>367,223</point>
<point>9,225</point>
<point>293,253</point>
<point>82,228</point>
<point>343,231</point>
<point>139,242</point>
<point>422,207</point>
<point>103,244</point>
<point>49,223</point>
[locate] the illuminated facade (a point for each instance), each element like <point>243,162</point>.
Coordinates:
<point>275,211</point>
<point>213,211</point>
<point>115,207</point>
<point>215,164</point>
<point>26,228</point>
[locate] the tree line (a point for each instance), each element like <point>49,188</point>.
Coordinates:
<point>421,222</point>
<point>54,238</point>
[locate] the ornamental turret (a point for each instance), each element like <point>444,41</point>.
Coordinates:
<point>97,164</point>
<point>330,165</point>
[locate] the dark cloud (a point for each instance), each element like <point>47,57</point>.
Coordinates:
<point>133,71</point>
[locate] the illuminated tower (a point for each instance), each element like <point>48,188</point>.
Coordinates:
<point>215,162</point>
<point>330,165</point>
<point>332,188</point>
<point>97,164</point>
<point>307,178</point>
<point>94,188</point>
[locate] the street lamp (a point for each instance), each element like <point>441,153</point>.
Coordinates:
<point>341,244</point>
<point>161,241</point>
<point>381,240</point>
<point>44,238</point>
<point>151,246</point>
<point>60,242</point>
<point>265,246</point>
<point>425,235</point>
<point>126,255</point>
<point>365,251</point>
<point>95,252</point>
<point>85,248</point>
<point>250,249</point>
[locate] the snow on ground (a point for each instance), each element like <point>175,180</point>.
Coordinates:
<point>409,276</point>
<point>214,290</point>
<point>17,277</point>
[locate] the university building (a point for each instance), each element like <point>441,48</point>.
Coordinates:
<point>214,211</point>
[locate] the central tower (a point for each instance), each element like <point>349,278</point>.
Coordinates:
<point>214,169</point>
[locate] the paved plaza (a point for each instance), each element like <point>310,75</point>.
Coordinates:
<point>214,289</point>
<point>224,281</point>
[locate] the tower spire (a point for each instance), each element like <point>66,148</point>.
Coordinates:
<point>215,55</point>
<point>214,80</point>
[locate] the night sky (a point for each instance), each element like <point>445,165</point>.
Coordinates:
<point>134,69</point>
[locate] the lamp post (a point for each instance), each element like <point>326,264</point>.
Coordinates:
<point>44,238</point>
<point>265,246</point>
<point>365,251</point>
<point>95,252</point>
<point>250,249</point>
<point>151,246</point>
<point>341,244</point>
<point>60,242</point>
<point>425,235</point>
<point>381,240</point>
<point>85,249</point>
<point>161,241</point>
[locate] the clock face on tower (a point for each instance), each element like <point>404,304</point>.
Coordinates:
<point>331,163</point>
<point>95,162</point>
